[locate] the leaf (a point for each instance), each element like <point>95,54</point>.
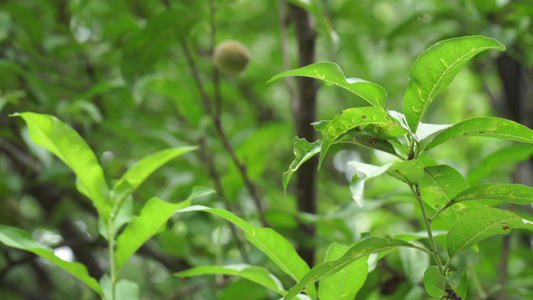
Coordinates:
<point>439,186</point>
<point>408,171</point>
<point>136,174</point>
<point>507,193</point>
<point>150,43</point>
<point>303,150</point>
<point>20,239</point>
<point>69,146</point>
<point>124,289</point>
<point>426,129</point>
<point>331,73</point>
<point>345,284</point>
<point>434,282</point>
<point>414,263</point>
<point>370,121</point>
<point>153,215</point>
<point>484,126</point>
<point>361,249</point>
<point>479,224</point>
<point>362,174</point>
<point>258,275</point>
<point>505,156</point>
<point>436,68</point>
<point>271,243</point>
<point>357,138</point>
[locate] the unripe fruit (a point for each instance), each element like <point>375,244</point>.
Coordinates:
<point>231,57</point>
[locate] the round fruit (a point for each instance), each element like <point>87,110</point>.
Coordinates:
<point>231,57</point>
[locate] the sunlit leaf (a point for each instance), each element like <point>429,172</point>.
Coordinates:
<point>371,121</point>
<point>20,239</point>
<point>271,243</point>
<point>136,174</point>
<point>303,150</point>
<point>361,249</point>
<point>507,193</point>
<point>435,69</point>
<point>153,215</point>
<point>344,284</point>
<point>331,73</point>
<point>69,146</point>
<point>408,171</point>
<point>479,224</point>
<point>439,186</point>
<point>487,127</point>
<point>258,275</point>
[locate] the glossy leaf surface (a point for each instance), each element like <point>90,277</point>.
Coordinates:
<point>331,73</point>
<point>69,146</point>
<point>436,68</point>
<point>487,127</point>
<point>370,121</point>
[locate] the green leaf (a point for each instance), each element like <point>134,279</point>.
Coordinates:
<point>271,243</point>
<point>124,289</point>
<point>436,68</point>
<point>69,146</point>
<point>303,150</point>
<point>5,24</point>
<point>363,173</point>
<point>484,126</point>
<point>439,186</point>
<point>258,275</point>
<point>331,73</point>
<point>479,224</point>
<point>345,284</point>
<point>414,263</point>
<point>153,215</point>
<point>505,156</point>
<point>136,174</point>
<point>434,282</point>
<point>370,121</point>
<point>361,249</point>
<point>358,138</point>
<point>408,171</point>
<point>20,239</point>
<point>507,193</point>
<point>150,43</point>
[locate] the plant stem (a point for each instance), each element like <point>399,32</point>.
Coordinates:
<point>112,264</point>
<point>434,250</point>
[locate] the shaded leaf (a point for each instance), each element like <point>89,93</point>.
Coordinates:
<point>271,243</point>
<point>331,73</point>
<point>370,121</point>
<point>358,138</point>
<point>303,150</point>
<point>435,69</point>
<point>408,171</point>
<point>361,249</point>
<point>69,146</point>
<point>150,43</point>
<point>344,284</point>
<point>414,263</point>
<point>484,126</point>
<point>505,156</point>
<point>154,214</point>
<point>258,275</point>
<point>20,239</point>
<point>479,224</point>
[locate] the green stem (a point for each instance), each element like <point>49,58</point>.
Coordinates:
<point>434,250</point>
<point>112,263</point>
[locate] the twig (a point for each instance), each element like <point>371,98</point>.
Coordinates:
<point>206,100</point>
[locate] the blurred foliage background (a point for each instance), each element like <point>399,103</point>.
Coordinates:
<point>118,72</point>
